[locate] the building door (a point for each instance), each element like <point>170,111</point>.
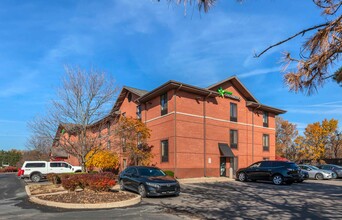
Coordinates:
<point>223,166</point>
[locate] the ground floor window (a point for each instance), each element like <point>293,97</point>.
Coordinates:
<point>124,163</point>
<point>165,151</point>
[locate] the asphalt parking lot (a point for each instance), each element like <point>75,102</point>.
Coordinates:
<point>312,199</point>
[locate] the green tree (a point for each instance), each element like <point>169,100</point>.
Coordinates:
<point>11,157</point>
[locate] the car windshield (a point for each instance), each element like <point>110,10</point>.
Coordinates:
<point>314,168</point>
<point>151,172</point>
<point>291,165</point>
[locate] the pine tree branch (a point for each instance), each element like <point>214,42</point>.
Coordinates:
<point>290,38</point>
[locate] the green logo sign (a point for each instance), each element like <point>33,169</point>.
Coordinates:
<point>223,92</point>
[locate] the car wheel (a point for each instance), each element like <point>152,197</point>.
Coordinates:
<point>319,176</point>
<point>300,181</point>
<point>277,179</point>
<point>122,186</point>
<point>242,177</point>
<point>142,190</point>
<point>36,177</point>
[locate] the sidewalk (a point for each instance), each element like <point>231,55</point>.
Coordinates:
<point>204,180</point>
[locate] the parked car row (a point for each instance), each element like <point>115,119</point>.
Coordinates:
<point>280,172</point>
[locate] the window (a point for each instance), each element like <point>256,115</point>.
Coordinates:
<point>266,164</point>
<point>129,97</point>
<point>108,144</point>
<point>123,143</point>
<point>233,138</point>
<point>266,158</point>
<point>266,142</point>
<point>233,112</point>
<point>165,151</point>
<point>138,111</point>
<point>255,165</point>
<point>124,163</point>
<point>55,164</point>
<point>30,165</point>
<point>163,104</point>
<point>108,128</point>
<point>265,119</point>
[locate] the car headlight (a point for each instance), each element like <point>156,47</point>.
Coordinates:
<point>152,185</point>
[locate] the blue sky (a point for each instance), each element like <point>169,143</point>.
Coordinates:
<point>143,43</point>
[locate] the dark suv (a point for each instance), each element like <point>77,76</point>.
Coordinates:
<point>277,171</point>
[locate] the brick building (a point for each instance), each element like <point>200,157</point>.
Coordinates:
<point>201,131</point>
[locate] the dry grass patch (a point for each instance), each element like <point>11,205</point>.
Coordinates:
<point>37,189</point>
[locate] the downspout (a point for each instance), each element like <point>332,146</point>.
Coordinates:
<point>205,134</point>
<point>175,129</point>
<point>253,131</point>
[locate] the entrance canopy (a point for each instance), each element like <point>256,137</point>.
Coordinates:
<point>225,150</point>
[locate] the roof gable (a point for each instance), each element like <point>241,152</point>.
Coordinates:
<point>238,85</point>
<point>123,93</point>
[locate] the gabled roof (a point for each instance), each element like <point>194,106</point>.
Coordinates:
<point>176,85</point>
<point>122,95</point>
<point>256,105</point>
<point>240,87</point>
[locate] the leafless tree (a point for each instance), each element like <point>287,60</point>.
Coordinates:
<point>319,53</point>
<point>80,102</point>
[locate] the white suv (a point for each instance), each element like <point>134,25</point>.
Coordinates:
<point>36,170</point>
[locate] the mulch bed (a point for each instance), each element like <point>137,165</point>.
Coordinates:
<point>88,197</point>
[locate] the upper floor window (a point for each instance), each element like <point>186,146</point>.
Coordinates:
<point>165,151</point>
<point>266,142</point>
<point>129,97</point>
<point>233,112</point>
<point>138,111</point>
<point>265,119</point>
<point>123,143</point>
<point>233,138</point>
<point>108,128</point>
<point>163,104</point>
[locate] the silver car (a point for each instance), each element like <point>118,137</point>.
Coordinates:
<point>318,174</point>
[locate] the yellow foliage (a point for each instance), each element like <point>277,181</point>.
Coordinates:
<point>103,159</point>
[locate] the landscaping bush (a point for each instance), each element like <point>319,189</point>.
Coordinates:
<point>169,173</point>
<point>8,169</point>
<point>96,182</point>
<point>54,178</point>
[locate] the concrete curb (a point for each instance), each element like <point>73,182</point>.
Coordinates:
<point>205,180</point>
<point>125,203</point>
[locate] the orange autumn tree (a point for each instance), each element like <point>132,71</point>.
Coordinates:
<point>103,159</point>
<point>286,132</point>
<point>317,138</point>
<point>133,135</point>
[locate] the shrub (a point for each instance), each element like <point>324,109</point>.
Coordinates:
<point>8,169</point>
<point>96,182</point>
<point>54,178</point>
<point>169,173</point>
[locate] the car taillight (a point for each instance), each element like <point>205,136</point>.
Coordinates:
<point>20,172</point>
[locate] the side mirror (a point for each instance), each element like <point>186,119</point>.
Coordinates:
<point>308,169</point>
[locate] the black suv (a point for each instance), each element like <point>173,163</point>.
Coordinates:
<point>277,171</point>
